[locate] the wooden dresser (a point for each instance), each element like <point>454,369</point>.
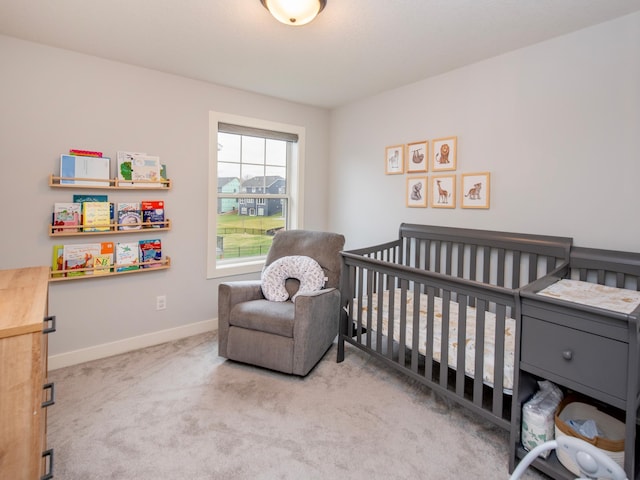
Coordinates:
<point>24,392</point>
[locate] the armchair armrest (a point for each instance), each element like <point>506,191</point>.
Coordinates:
<point>229,295</point>
<point>315,328</point>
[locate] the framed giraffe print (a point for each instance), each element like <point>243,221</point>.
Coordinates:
<point>394,159</point>
<point>443,191</point>
<point>476,190</point>
<point>445,152</point>
<point>417,192</point>
<point>417,157</point>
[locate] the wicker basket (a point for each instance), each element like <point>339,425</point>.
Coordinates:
<point>612,443</point>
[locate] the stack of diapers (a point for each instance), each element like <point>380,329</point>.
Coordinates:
<point>538,416</point>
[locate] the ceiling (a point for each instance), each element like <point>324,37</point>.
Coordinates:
<point>354,49</point>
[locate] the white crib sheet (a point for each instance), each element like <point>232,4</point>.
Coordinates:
<point>602,296</point>
<point>489,334</point>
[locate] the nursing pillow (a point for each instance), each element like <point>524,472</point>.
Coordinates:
<point>305,269</point>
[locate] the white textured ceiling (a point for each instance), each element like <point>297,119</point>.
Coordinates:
<point>354,49</point>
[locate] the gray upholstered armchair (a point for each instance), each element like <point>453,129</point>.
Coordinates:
<point>290,337</point>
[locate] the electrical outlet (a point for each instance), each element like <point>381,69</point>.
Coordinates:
<point>161,302</point>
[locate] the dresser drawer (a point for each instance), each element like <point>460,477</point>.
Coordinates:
<point>579,357</point>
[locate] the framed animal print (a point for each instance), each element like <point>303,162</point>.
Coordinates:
<point>443,191</point>
<point>445,151</point>
<point>418,157</point>
<point>416,192</point>
<point>476,189</point>
<point>394,159</point>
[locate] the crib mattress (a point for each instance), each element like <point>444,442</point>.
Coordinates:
<point>470,347</point>
<point>602,296</point>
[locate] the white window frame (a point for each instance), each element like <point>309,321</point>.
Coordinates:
<point>295,178</point>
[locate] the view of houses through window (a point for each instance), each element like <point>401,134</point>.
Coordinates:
<point>252,197</point>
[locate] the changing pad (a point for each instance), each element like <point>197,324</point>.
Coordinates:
<point>602,296</point>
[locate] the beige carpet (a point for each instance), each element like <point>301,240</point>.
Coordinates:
<point>178,411</point>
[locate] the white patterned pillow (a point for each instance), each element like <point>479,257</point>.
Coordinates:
<point>305,269</point>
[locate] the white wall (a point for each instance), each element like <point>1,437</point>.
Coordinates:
<point>52,100</point>
<point>557,125</point>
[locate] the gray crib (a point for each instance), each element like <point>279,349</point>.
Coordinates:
<point>411,302</point>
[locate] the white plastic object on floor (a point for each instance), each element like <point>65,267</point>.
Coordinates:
<point>592,462</point>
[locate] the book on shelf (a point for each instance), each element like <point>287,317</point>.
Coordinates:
<point>145,171</point>
<point>78,257</point>
<point>76,169</point>
<point>96,216</point>
<point>127,256</point>
<point>152,213</point>
<point>85,153</point>
<point>103,262</point>
<point>81,198</point>
<point>57,261</point>
<point>66,215</point>
<point>150,250</point>
<point>129,217</point>
<point>125,164</point>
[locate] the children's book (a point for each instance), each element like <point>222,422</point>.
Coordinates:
<point>66,216</point>
<point>127,256</point>
<point>96,216</point>
<point>79,257</point>
<point>57,260</point>
<point>103,263</point>
<point>124,160</point>
<point>81,198</point>
<point>152,213</point>
<point>85,153</point>
<point>76,169</point>
<point>150,250</point>
<point>145,171</point>
<point>129,217</point>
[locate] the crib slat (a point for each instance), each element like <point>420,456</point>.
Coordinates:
<point>428,363</point>
<point>448,253</point>
<point>533,267</point>
<point>461,249</point>
<point>380,307</point>
<point>473,260</point>
<point>498,365</point>
<point>370,290</point>
<point>404,284</point>
<point>462,344</point>
<point>515,279</point>
<point>444,344</point>
<point>415,340</point>
<point>501,261</point>
<point>392,309</point>
<point>486,268</point>
<point>479,353</point>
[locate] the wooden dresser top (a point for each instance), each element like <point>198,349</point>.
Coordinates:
<point>23,300</point>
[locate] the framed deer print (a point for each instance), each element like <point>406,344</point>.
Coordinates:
<point>394,159</point>
<point>416,191</point>
<point>443,191</point>
<point>476,190</point>
<point>417,157</point>
<point>445,151</point>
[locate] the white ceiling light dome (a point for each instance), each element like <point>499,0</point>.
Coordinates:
<point>294,12</point>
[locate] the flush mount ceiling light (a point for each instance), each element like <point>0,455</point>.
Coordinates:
<point>294,12</point>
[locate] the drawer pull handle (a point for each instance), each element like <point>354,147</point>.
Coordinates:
<point>52,399</point>
<point>52,328</point>
<point>48,454</point>
<point>567,354</point>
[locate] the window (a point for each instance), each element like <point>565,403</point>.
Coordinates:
<point>255,179</point>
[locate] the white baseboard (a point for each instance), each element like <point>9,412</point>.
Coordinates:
<point>128,344</point>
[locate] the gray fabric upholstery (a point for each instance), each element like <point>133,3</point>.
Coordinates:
<point>284,336</point>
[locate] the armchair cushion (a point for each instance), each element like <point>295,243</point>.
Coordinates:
<point>305,269</point>
<point>264,316</point>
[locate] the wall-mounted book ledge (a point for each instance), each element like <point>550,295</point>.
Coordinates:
<point>110,271</point>
<point>111,183</point>
<point>109,229</point>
